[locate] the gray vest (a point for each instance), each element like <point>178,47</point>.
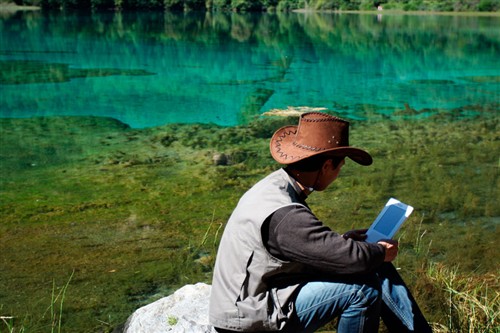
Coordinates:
<point>245,293</point>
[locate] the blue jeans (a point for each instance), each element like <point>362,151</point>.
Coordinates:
<point>359,302</point>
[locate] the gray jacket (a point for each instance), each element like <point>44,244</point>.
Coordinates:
<point>246,294</point>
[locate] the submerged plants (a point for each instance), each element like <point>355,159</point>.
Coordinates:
<point>136,214</point>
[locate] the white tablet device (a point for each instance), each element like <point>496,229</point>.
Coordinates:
<point>388,221</point>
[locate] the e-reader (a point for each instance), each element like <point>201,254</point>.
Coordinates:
<point>388,221</point>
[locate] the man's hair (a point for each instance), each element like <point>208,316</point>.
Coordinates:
<point>314,163</point>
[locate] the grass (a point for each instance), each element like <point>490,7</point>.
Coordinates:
<point>55,310</point>
<point>132,215</point>
<point>472,302</point>
<point>55,315</point>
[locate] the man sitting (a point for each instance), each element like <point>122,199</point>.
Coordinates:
<point>279,268</point>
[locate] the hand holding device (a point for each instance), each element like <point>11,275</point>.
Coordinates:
<point>391,249</point>
<point>357,234</point>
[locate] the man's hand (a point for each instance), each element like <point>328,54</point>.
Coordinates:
<point>391,249</point>
<point>357,235</point>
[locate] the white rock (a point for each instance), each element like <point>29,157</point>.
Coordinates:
<point>185,311</point>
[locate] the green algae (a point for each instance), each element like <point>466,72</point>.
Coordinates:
<point>28,72</point>
<point>436,82</point>
<point>482,79</point>
<point>138,213</point>
<point>253,104</point>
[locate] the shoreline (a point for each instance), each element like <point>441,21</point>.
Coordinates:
<point>11,7</point>
<point>396,12</point>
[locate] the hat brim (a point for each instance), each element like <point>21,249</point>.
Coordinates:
<point>285,152</point>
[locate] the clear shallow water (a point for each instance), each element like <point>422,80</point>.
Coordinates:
<point>149,69</point>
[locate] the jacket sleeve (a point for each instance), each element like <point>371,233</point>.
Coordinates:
<point>295,234</point>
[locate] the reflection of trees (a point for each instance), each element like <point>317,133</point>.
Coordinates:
<point>363,33</point>
<point>241,27</point>
<point>358,34</point>
<point>285,35</point>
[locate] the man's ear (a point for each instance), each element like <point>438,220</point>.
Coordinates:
<point>327,164</point>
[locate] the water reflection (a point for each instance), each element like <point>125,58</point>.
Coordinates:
<point>228,68</point>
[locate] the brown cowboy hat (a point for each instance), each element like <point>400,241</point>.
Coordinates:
<point>317,133</point>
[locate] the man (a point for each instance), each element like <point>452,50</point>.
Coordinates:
<point>278,268</point>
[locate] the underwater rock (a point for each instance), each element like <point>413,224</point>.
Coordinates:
<point>253,104</point>
<point>186,310</point>
<point>408,111</point>
<point>482,79</point>
<point>220,159</point>
<point>430,81</point>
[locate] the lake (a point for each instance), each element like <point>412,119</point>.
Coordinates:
<point>109,123</point>
<point>150,69</point>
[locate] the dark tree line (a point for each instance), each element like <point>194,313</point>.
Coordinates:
<point>271,5</point>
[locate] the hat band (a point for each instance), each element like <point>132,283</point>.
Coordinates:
<point>309,147</point>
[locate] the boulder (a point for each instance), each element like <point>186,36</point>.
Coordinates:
<point>220,159</point>
<point>186,310</point>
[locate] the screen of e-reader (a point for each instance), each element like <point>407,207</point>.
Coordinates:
<point>391,216</point>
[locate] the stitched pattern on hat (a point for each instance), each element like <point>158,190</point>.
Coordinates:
<point>278,145</point>
<point>322,119</point>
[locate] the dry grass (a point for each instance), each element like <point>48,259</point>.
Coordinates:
<point>472,301</point>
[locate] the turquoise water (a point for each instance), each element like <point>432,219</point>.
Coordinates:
<point>149,69</point>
